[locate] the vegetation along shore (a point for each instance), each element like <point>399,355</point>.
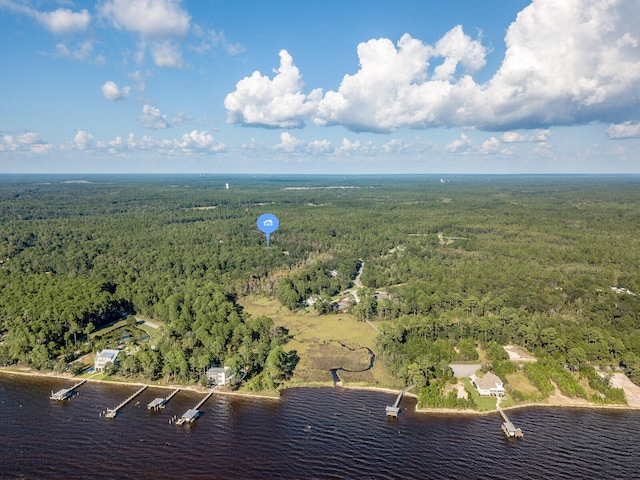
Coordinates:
<point>529,284</point>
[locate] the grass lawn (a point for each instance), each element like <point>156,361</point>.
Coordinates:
<point>154,333</point>
<point>325,342</point>
<point>108,329</point>
<point>485,404</point>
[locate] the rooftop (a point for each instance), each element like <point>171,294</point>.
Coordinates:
<point>489,380</point>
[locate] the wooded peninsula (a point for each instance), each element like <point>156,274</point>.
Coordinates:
<point>172,271</point>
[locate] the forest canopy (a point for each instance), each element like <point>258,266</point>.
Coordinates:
<point>550,263</point>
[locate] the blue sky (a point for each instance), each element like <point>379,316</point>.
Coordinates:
<point>221,86</point>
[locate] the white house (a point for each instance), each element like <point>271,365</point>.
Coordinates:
<point>219,375</point>
<point>104,357</point>
<point>488,385</point>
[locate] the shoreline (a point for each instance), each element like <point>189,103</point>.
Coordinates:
<point>191,388</point>
<point>420,411</point>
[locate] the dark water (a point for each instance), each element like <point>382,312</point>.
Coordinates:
<point>321,433</point>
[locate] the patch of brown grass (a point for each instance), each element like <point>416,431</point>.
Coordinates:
<point>325,342</point>
<point>519,381</point>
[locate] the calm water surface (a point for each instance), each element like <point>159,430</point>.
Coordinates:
<point>323,433</point>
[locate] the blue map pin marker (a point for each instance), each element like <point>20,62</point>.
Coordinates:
<point>267,223</point>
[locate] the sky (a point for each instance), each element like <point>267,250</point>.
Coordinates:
<point>331,86</point>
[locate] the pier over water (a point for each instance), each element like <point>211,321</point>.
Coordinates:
<point>160,402</point>
<point>192,414</point>
<point>394,410</point>
<point>508,427</point>
<point>65,393</point>
<point>112,412</point>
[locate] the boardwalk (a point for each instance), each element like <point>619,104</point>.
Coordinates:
<point>112,412</point>
<point>65,393</point>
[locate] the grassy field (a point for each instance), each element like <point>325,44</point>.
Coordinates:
<point>325,342</point>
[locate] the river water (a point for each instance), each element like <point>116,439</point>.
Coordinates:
<point>319,433</point>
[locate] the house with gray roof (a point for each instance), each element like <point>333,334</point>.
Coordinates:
<point>488,385</point>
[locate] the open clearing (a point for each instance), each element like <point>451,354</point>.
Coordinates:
<point>462,370</point>
<point>325,342</point>
<point>519,381</point>
<point>518,354</point>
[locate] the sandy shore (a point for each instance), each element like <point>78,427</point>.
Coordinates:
<point>555,401</point>
<point>193,388</point>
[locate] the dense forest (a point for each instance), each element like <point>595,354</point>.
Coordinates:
<point>550,263</point>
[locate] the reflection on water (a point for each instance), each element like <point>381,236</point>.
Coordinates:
<point>309,433</point>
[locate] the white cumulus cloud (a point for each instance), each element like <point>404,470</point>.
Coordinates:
<point>149,18</point>
<point>153,118</point>
<point>199,141</point>
<point>490,146</point>
<point>515,137</point>
<point>24,142</point>
<point>84,140</point>
<point>457,48</point>
<point>566,62</point>
<point>157,22</point>
<point>349,147</point>
<point>64,20</point>
<point>79,52</point>
<point>278,102</point>
<point>59,21</point>
<point>112,92</point>
<point>289,143</point>
<point>624,130</point>
<point>166,53</point>
<point>395,145</point>
<point>461,144</point>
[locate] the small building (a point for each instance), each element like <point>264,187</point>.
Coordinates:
<point>189,416</point>
<point>156,404</point>
<point>63,394</point>
<point>105,357</point>
<point>489,385</point>
<point>219,375</point>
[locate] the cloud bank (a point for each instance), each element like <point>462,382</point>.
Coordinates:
<point>566,63</point>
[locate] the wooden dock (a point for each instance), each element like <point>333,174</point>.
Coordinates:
<point>393,411</point>
<point>160,402</point>
<point>192,414</point>
<point>65,393</point>
<point>508,427</point>
<point>112,412</point>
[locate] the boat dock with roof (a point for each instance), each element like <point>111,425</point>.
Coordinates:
<point>65,393</point>
<point>192,414</point>
<point>161,402</point>
<point>393,411</point>
<point>508,427</point>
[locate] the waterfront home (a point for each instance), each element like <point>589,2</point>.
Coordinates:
<point>219,375</point>
<point>488,385</point>
<point>105,357</point>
